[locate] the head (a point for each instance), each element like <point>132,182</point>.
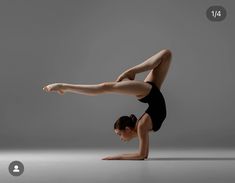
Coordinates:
<point>125,127</point>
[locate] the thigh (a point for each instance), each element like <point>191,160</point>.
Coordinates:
<point>158,74</point>
<point>129,87</point>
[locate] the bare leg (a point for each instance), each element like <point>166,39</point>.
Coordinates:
<point>158,74</point>
<point>159,63</point>
<point>61,88</point>
<point>129,87</point>
<point>91,90</point>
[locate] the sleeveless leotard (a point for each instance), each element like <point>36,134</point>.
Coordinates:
<point>157,106</point>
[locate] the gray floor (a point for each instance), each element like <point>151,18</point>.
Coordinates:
<point>86,166</point>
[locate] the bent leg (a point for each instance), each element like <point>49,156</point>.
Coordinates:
<point>158,74</point>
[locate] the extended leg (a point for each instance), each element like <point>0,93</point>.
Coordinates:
<point>91,90</point>
<point>128,87</point>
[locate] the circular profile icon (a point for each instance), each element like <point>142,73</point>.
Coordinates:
<point>16,168</point>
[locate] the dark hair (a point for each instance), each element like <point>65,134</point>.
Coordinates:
<point>125,121</point>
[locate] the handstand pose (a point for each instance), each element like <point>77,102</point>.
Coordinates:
<point>147,91</point>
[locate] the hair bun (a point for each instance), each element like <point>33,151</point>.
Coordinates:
<point>133,118</point>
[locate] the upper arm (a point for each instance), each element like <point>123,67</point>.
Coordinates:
<point>143,140</point>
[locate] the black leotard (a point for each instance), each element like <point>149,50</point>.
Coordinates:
<point>157,106</point>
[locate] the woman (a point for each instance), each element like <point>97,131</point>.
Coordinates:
<point>147,91</point>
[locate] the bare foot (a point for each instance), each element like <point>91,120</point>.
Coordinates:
<point>55,87</point>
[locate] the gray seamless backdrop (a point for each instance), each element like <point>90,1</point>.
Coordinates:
<point>88,42</point>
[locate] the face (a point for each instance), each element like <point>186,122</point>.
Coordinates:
<point>125,135</point>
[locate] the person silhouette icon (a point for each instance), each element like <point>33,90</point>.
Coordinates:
<point>16,169</point>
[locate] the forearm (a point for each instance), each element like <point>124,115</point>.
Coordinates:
<point>83,89</point>
<point>130,156</point>
<point>150,63</point>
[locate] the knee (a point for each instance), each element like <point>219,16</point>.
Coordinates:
<point>106,87</point>
<point>167,54</point>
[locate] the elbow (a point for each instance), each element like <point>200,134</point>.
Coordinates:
<point>146,156</point>
<point>142,156</point>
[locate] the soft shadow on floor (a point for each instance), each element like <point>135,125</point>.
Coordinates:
<point>192,159</point>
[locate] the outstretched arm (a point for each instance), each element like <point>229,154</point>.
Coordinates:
<point>148,64</point>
